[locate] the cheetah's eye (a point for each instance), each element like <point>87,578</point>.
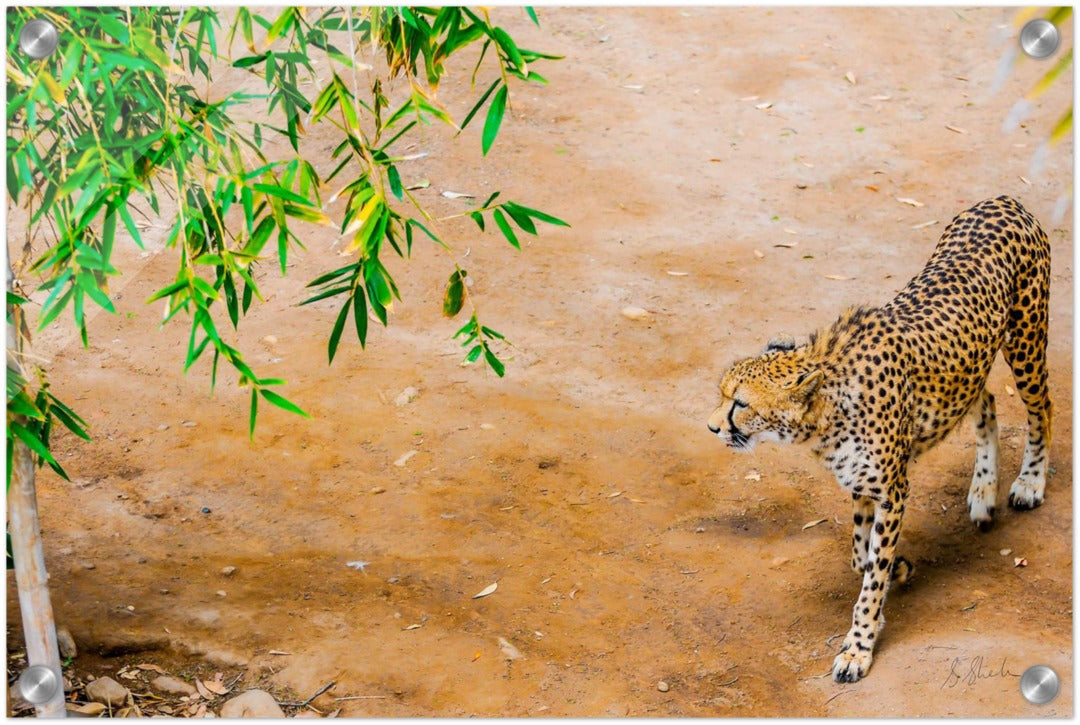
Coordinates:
<point>739,404</point>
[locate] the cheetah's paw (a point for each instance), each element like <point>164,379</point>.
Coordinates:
<point>1025,495</point>
<point>851,665</point>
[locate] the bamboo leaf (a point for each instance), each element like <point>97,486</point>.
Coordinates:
<point>339,325</point>
<point>507,231</point>
<point>282,402</point>
<point>493,120</point>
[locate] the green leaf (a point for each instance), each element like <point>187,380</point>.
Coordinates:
<point>480,103</point>
<point>326,293</point>
<point>282,402</point>
<point>250,60</point>
<point>536,214</point>
<point>454,297</point>
<point>395,181</point>
<point>339,325</point>
<point>34,443</point>
<point>360,315</point>
<point>520,217</point>
<point>503,39</point>
<point>478,218</point>
<point>507,231</point>
<point>324,278</point>
<point>22,405</point>
<point>254,412</point>
<point>282,193</point>
<point>532,14</point>
<point>493,120</point>
<point>495,363</point>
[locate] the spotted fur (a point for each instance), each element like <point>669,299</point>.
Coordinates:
<point>882,385</point>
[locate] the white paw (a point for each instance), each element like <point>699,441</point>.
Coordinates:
<point>1026,494</point>
<point>981,512</point>
<point>851,665</point>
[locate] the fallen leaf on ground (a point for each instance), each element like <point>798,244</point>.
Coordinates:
<point>151,668</point>
<point>759,254</point>
<point>490,589</point>
<point>850,77</point>
<point>909,202</point>
<point>812,524</point>
<point>1006,552</point>
<point>457,195</point>
<point>930,223</point>
<point>634,313</point>
<point>786,245</point>
<point>675,273</point>
<point>763,106</point>
<point>412,626</point>
<point>215,687</point>
<point>838,277</point>
<point>206,694</point>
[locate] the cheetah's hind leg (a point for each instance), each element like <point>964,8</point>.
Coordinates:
<point>983,492</point>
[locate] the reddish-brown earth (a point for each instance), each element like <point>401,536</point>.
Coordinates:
<point>628,545</point>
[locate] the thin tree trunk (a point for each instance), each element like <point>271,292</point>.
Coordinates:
<point>39,628</point>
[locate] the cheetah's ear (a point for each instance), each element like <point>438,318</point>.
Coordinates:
<point>780,342</point>
<point>806,385</point>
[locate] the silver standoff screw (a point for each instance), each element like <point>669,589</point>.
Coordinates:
<point>38,38</point>
<point>37,684</point>
<point>1039,684</point>
<point>1039,38</point>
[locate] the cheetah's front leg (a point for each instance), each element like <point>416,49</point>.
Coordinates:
<point>857,652</point>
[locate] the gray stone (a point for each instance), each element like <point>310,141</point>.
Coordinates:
<point>172,686</point>
<point>66,643</point>
<point>253,703</point>
<point>107,691</point>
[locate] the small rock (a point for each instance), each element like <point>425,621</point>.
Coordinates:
<point>205,509</point>
<point>663,686</point>
<point>253,703</point>
<point>163,591</point>
<point>509,651</point>
<point>172,686</point>
<point>221,593</point>
<point>189,424</point>
<point>1006,552</point>
<point>141,560</point>
<point>406,396</point>
<point>487,426</point>
<point>228,571</point>
<point>634,313</point>
<point>89,565</point>
<point>107,691</point>
<point>163,426</point>
<point>66,643</point>
<point>377,490</point>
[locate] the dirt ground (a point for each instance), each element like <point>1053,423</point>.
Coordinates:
<point>629,546</point>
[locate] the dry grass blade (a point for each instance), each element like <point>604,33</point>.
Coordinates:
<point>909,202</point>
<point>838,277</point>
<point>812,524</point>
<point>955,129</point>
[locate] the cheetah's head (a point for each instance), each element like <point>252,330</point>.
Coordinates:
<point>766,397</point>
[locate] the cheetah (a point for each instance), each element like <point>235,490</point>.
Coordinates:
<point>882,385</point>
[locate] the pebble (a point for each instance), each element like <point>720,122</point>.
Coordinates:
<point>406,396</point>
<point>66,643</point>
<point>634,313</point>
<point>487,426</point>
<point>107,691</point>
<point>662,686</point>
<point>172,686</point>
<point>228,571</point>
<point>189,424</point>
<point>253,703</point>
<point>89,565</point>
<point>205,509</point>
<point>377,489</point>
<point>163,426</point>
<point>221,593</point>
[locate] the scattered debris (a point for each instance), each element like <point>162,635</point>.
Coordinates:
<point>909,202</point>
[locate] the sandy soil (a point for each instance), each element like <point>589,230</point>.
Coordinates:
<point>628,545</point>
